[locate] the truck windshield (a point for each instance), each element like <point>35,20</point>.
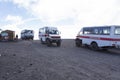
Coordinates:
<point>117,30</point>
<point>53,32</point>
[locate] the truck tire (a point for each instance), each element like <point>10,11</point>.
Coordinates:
<point>48,42</point>
<point>32,38</point>
<point>58,43</point>
<point>41,41</point>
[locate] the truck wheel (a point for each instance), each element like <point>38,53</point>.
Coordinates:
<point>41,41</point>
<point>94,46</point>
<point>58,43</point>
<point>78,43</point>
<point>25,38</point>
<point>32,38</point>
<point>48,42</point>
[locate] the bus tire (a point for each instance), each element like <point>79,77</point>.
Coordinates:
<point>94,46</point>
<point>78,43</point>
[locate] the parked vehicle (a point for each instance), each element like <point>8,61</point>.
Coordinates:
<point>49,35</point>
<point>100,37</point>
<point>7,35</point>
<point>27,34</point>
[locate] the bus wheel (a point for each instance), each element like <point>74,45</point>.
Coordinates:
<point>48,42</point>
<point>94,46</point>
<point>78,43</point>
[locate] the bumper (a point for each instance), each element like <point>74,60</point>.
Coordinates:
<point>55,40</point>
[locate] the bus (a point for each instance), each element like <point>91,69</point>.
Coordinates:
<point>99,37</point>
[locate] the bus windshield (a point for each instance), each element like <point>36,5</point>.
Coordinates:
<point>117,31</point>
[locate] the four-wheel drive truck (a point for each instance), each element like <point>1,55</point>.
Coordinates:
<point>27,34</point>
<point>49,35</point>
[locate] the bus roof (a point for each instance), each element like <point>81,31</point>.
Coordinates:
<point>103,26</point>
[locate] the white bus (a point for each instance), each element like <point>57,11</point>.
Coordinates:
<point>49,35</point>
<point>99,37</point>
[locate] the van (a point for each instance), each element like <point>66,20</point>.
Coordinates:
<point>99,37</point>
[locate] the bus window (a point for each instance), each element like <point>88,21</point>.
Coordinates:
<point>117,31</point>
<point>87,31</point>
<point>81,32</point>
<point>104,31</point>
<point>96,31</point>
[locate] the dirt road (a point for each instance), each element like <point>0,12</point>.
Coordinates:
<point>30,60</point>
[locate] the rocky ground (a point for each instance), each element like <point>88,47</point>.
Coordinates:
<point>30,60</point>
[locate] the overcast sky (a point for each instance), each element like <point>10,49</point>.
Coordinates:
<point>68,15</point>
